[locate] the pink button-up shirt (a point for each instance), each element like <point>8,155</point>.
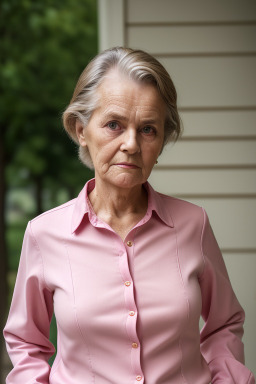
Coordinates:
<point>127,311</point>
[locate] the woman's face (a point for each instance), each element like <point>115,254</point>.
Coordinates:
<point>125,132</point>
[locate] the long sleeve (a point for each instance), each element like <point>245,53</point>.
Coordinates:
<point>27,329</point>
<point>221,335</point>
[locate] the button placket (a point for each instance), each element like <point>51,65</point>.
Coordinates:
<point>125,259</point>
<point>131,322</point>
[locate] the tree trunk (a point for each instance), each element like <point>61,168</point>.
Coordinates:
<point>38,194</point>
<point>71,192</point>
<point>3,246</point>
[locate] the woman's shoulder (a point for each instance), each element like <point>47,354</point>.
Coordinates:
<point>180,209</point>
<point>177,203</point>
<point>55,211</point>
<point>59,216</point>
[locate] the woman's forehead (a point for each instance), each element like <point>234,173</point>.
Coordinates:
<point>118,91</point>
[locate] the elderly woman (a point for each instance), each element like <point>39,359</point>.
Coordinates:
<point>127,271</point>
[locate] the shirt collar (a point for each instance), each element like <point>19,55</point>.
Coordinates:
<point>82,206</point>
<point>156,203</point>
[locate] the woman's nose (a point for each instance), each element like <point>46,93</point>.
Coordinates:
<point>130,142</point>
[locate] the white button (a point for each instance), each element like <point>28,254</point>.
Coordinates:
<point>138,378</point>
<point>131,313</point>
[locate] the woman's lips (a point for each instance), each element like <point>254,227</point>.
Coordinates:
<point>127,165</point>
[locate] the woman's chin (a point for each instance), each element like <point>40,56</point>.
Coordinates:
<point>125,180</point>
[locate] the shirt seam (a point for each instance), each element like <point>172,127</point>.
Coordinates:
<point>41,256</point>
<point>200,277</point>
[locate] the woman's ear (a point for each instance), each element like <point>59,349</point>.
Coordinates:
<point>80,133</point>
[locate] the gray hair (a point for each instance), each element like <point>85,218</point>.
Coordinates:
<point>137,65</point>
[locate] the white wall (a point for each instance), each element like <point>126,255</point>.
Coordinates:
<point>209,49</point>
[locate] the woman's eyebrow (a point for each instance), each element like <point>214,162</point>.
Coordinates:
<point>150,121</point>
<point>115,116</point>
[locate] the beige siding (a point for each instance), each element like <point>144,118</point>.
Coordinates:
<point>236,124</point>
<point>202,182</point>
<point>209,49</point>
<point>210,152</point>
<point>225,39</point>
<point>207,82</point>
<point>197,11</point>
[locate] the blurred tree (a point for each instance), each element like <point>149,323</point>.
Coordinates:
<point>44,46</point>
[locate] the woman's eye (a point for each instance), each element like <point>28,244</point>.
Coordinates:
<point>148,130</point>
<point>113,125</point>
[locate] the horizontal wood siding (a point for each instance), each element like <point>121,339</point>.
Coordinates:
<point>194,40</point>
<point>186,11</point>
<point>221,124</point>
<point>219,82</point>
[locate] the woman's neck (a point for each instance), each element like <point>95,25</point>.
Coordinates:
<point>121,208</point>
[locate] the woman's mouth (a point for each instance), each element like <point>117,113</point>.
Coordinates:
<point>127,165</point>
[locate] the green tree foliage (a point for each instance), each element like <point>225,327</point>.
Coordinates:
<point>44,46</point>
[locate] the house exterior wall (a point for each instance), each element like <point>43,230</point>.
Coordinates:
<point>209,49</point>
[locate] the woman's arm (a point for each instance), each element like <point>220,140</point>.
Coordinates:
<point>27,329</point>
<point>221,336</point>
